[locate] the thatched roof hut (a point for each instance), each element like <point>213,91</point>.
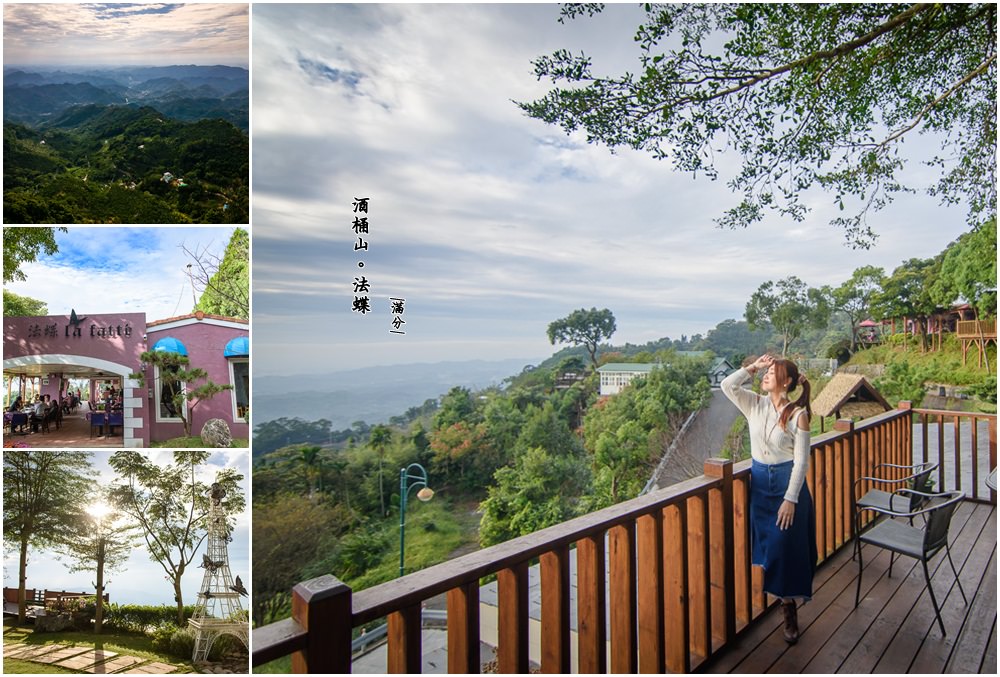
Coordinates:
<point>849,396</point>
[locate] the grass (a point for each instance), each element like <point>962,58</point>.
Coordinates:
<point>940,366</point>
<point>196,443</point>
<point>129,644</point>
<point>13,666</point>
<point>433,532</point>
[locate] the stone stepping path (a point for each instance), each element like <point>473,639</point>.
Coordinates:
<point>61,654</point>
<point>153,669</point>
<point>86,659</point>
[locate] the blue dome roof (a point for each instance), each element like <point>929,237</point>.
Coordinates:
<point>168,344</point>
<point>238,347</point>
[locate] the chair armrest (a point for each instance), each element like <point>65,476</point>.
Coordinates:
<point>950,496</point>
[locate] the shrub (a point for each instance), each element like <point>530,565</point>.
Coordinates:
<point>182,643</point>
<point>902,381</point>
<point>138,618</point>
<point>986,390</point>
<point>161,636</point>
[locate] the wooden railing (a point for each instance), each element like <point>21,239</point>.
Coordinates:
<point>976,328</point>
<point>679,585</point>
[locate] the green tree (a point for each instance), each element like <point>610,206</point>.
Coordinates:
<point>102,542</point>
<point>542,486</point>
<point>178,378</point>
<point>584,327</point>
<point>788,306</point>
<point>969,271</point>
<point>456,405</point>
<point>23,245</point>
<point>627,434</point>
<point>43,497</point>
<point>807,94</point>
<point>379,439</point>
<point>171,505</point>
<point>225,283</point>
<point>855,296</point>
<point>289,532</point>
<point>907,294</point>
<point>312,467</point>
<point>15,305</point>
<point>735,340</point>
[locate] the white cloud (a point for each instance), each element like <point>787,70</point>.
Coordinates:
<point>483,214</point>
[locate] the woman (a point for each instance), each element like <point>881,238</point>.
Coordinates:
<point>782,524</point>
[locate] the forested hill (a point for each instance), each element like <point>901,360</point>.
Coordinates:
<point>125,164</point>
<point>34,96</point>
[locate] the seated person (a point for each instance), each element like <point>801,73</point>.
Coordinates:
<point>15,405</point>
<point>37,415</point>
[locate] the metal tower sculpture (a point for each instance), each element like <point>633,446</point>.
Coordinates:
<point>219,611</point>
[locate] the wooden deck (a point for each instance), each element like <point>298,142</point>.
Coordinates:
<point>893,629</point>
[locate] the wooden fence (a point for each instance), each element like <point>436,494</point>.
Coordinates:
<point>677,585</point>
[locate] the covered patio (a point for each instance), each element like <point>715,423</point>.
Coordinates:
<point>74,432</point>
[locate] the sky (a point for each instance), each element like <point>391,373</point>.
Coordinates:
<point>115,269</point>
<point>109,34</point>
<point>141,580</point>
<point>489,224</point>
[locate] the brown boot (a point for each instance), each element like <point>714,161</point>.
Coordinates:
<point>791,621</point>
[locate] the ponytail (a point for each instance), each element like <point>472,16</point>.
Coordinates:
<point>791,371</point>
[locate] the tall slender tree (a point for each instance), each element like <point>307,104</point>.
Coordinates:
<point>380,438</point>
<point>43,498</point>
<point>170,504</point>
<point>101,541</point>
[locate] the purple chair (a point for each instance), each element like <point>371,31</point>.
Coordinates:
<point>96,419</point>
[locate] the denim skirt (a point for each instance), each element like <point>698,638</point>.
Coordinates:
<point>788,556</point>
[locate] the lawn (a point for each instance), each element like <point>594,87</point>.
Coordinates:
<point>129,644</point>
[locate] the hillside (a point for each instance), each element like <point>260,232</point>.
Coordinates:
<point>187,93</point>
<point>125,164</point>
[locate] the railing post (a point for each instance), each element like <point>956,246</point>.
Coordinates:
<point>512,621</point>
<point>993,452</point>
<point>322,607</point>
<point>403,651</point>
<point>846,425</point>
<point>463,629</point>
<point>554,569</point>
<point>723,550</point>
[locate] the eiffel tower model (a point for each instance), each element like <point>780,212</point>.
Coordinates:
<point>219,611</point>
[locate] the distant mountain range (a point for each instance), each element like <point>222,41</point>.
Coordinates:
<point>372,395</point>
<point>33,96</point>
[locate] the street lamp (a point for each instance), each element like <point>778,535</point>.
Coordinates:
<point>425,494</point>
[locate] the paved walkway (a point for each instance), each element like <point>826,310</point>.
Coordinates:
<point>86,659</point>
<point>702,440</point>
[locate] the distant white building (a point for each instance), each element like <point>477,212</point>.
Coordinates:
<point>617,375</point>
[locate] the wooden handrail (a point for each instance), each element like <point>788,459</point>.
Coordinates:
<point>663,581</point>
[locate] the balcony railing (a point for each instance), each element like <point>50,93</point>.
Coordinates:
<point>974,329</point>
<point>679,587</point>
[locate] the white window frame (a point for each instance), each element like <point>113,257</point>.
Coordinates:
<point>232,381</point>
<point>157,390</point>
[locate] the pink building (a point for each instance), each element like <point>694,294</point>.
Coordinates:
<point>104,350</point>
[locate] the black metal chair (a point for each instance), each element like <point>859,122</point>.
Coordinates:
<point>918,479</point>
<point>899,537</point>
